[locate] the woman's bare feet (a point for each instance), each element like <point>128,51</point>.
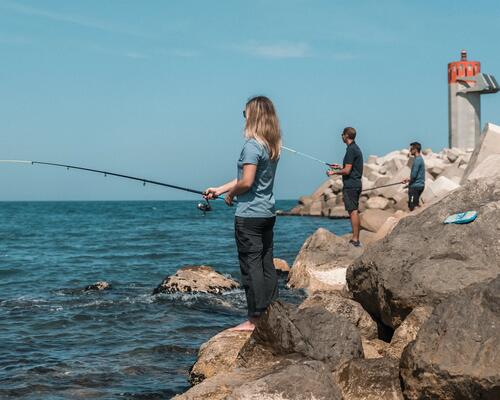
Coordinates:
<point>246,326</point>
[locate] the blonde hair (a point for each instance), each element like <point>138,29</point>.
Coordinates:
<point>262,124</point>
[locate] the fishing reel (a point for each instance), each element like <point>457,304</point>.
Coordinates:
<point>204,207</point>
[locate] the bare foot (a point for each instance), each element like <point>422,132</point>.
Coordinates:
<point>245,326</point>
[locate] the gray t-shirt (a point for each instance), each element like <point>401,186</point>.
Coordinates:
<point>258,202</point>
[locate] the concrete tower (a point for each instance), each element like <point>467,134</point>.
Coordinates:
<point>466,83</point>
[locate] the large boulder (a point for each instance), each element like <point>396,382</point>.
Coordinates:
<point>199,279</point>
<point>322,262</point>
<point>423,260</point>
<point>372,379</point>
<point>407,331</point>
<point>377,202</point>
<point>435,191</point>
<point>218,354</point>
<point>489,167</point>
<point>373,219</point>
<point>347,308</point>
<point>489,144</point>
<point>312,332</point>
<point>456,354</point>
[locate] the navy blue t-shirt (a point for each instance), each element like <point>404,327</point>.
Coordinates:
<point>354,157</point>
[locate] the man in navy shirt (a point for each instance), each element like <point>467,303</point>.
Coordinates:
<point>351,171</point>
<point>417,177</point>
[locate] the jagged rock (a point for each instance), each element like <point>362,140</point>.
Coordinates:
<point>489,144</point>
<point>407,331</point>
<point>281,266</point>
<point>488,168</point>
<point>201,279</point>
<point>98,286</point>
<point>423,260</point>
<point>456,354</point>
<point>436,190</point>
<point>322,262</point>
<point>377,203</point>
<point>372,220</point>
<point>308,331</point>
<point>321,189</point>
<point>218,354</point>
<point>454,173</point>
<point>453,154</point>
<point>347,308</point>
<point>374,348</point>
<point>369,379</point>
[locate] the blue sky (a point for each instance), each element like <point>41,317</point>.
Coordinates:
<point>157,88</point>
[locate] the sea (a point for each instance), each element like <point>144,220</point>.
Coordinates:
<point>58,341</point>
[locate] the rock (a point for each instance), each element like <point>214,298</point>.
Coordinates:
<point>489,167</point>
<point>372,160</point>
<point>347,308</point>
<point>456,354</point>
<point>366,237</point>
<point>489,144</point>
<point>374,348</point>
<point>308,332</point>
<point>218,354</point>
<point>423,260</point>
<point>454,173</point>
<point>337,185</point>
<point>281,266</point>
<point>373,379</point>
<point>321,189</point>
<point>322,262</point>
<point>377,203</point>
<point>389,224</point>
<point>453,154</point>
<point>427,151</point>
<point>316,208</point>
<point>372,220</point>
<point>434,191</point>
<point>201,279</point>
<point>407,331</point>
<point>98,286</point>
<point>305,200</point>
<point>337,212</point>
<point>394,165</point>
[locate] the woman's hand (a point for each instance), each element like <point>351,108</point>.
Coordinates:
<point>211,193</point>
<point>228,199</point>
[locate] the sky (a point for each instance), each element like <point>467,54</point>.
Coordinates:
<point>156,89</point>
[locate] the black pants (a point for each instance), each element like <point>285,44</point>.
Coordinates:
<point>254,238</point>
<point>414,197</point>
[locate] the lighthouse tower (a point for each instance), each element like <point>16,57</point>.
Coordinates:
<point>466,83</point>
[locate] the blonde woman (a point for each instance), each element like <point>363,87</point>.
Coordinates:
<point>255,213</point>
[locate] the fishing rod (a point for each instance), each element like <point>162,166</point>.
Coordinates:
<point>383,186</point>
<point>307,156</point>
<point>201,206</point>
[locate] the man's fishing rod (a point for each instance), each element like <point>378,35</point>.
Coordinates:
<point>307,156</point>
<point>201,206</point>
<point>383,186</point>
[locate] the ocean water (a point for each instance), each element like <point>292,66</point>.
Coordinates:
<point>59,342</point>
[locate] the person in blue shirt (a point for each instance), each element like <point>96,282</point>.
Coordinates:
<point>417,177</point>
<point>255,212</point>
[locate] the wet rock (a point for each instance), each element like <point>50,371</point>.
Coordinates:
<point>98,286</point>
<point>407,331</point>
<point>284,329</point>
<point>456,354</point>
<point>373,379</point>
<point>347,308</point>
<point>199,279</point>
<point>218,354</point>
<point>422,261</point>
<point>322,262</point>
<point>281,266</point>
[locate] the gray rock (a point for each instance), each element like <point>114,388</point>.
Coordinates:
<point>312,332</point>
<point>456,354</point>
<point>373,379</point>
<point>422,260</point>
<point>347,308</point>
<point>196,279</point>
<point>98,286</point>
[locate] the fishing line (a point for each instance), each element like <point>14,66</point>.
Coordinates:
<point>202,206</point>
<point>306,155</point>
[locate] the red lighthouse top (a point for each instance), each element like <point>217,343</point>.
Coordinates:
<point>461,70</point>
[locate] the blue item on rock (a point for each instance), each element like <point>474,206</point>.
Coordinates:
<point>461,218</point>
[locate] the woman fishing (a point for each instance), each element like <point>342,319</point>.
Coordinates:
<point>255,213</point>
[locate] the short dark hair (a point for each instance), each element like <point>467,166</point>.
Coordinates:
<point>350,132</point>
<point>417,146</point>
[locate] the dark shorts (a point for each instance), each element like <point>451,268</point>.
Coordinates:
<point>351,198</point>
<point>414,194</point>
